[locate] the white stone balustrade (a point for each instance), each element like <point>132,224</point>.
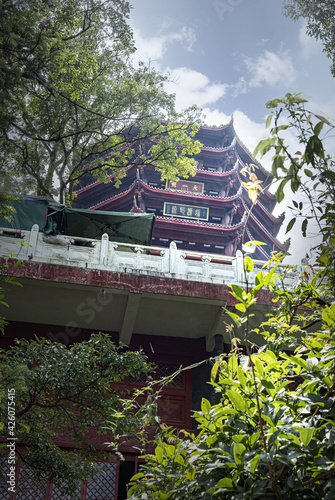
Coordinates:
<point>125,258</point>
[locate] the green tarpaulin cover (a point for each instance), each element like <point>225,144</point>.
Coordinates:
<point>121,227</point>
<point>27,213</point>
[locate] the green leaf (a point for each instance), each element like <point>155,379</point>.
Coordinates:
<point>292,438</point>
<point>159,454</point>
<point>254,463</point>
<point>280,191</point>
<point>170,450</point>
<point>179,459</point>
<point>241,307</point>
<point>228,411</point>
<point>239,450</point>
<point>214,371</point>
<point>259,279</point>
<point>306,435</point>
<point>137,476</point>
<point>273,437</point>
<point>290,225</point>
<point>226,482</point>
<point>299,361</point>
<point>268,121</point>
<point>267,383</point>
<point>236,399</point>
<point>304,227</point>
<point>264,146</point>
<point>329,175</point>
<point>273,103</point>
<point>295,183</point>
<point>241,376</point>
<point>328,315</point>
<point>258,365</point>
<point>323,119</point>
<point>268,356</point>
<point>314,147</point>
<point>211,440</point>
<point>281,127</point>
<point>205,406</point>
<point>278,164</point>
<point>237,319</point>
<point>248,264</point>
<point>232,365</point>
<point>308,172</point>
<point>318,127</point>
<point>238,291</point>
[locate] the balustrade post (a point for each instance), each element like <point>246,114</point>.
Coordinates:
<point>104,249</point>
<point>173,258</point>
<point>206,259</point>
<point>139,258</point>
<point>33,241</point>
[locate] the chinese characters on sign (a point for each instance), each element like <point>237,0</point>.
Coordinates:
<point>186,186</point>
<point>186,211</point>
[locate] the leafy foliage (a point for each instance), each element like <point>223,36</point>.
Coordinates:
<point>310,170</point>
<point>72,99</point>
<point>71,390</point>
<point>272,434</point>
<point>7,280</point>
<point>6,209</point>
<point>320,18</point>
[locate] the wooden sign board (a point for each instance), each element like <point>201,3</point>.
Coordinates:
<point>185,211</point>
<point>186,186</point>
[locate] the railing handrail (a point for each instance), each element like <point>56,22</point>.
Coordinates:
<point>106,253</point>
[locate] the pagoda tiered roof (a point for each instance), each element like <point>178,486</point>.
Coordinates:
<point>207,211</point>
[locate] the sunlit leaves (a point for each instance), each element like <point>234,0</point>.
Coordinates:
<point>275,408</point>
<point>205,405</point>
<point>239,450</point>
<point>236,400</point>
<point>308,171</point>
<point>159,454</point>
<point>306,435</point>
<point>75,101</point>
<point>328,315</point>
<point>264,146</point>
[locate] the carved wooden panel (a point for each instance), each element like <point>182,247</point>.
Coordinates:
<point>27,489</point>
<point>56,493</point>
<point>103,487</point>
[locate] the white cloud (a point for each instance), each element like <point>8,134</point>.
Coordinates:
<point>154,48</point>
<point>239,88</point>
<point>187,35</point>
<point>248,131</point>
<point>192,87</point>
<point>271,68</point>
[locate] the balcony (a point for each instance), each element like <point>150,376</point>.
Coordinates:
<point>78,283</point>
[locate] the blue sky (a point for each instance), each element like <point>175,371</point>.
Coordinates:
<point>231,57</point>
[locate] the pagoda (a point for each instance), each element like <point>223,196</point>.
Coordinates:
<point>210,212</point>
